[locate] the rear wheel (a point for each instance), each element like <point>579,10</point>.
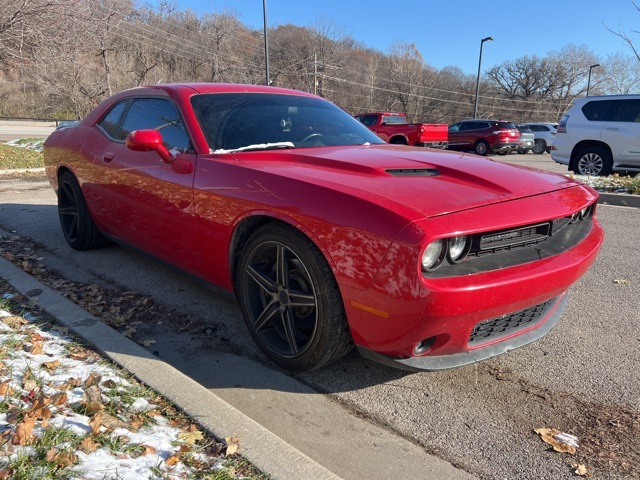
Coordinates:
<point>539,147</point>
<point>290,300</point>
<point>76,222</point>
<point>593,161</point>
<point>481,147</point>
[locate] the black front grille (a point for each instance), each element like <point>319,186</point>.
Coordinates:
<point>495,328</point>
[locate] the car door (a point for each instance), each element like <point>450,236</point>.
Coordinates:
<point>145,201</point>
<point>622,131</point>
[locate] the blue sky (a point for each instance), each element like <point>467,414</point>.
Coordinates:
<point>449,33</point>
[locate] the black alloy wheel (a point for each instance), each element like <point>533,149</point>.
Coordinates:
<point>76,222</point>
<point>290,300</point>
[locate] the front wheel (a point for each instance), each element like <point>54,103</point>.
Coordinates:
<point>76,222</point>
<point>290,300</point>
<point>593,161</point>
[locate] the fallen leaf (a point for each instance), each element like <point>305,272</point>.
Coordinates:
<point>52,365</point>
<point>36,337</point>
<point>36,348</point>
<point>111,422</point>
<point>95,423</point>
<point>191,437</point>
<point>147,342</point>
<point>51,454</point>
<point>548,435</point>
<point>581,470</point>
<point>23,435</point>
<point>14,321</point>
<point>622,282</point>
<point>233,445</point>
<point>92,379</point>
<point>65,459</point>
<point>5,388</point>
<point>6,473</point>
<point>148,449</point>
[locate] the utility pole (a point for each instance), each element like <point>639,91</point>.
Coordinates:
<point>266,42</point>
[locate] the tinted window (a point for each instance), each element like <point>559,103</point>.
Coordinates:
<point>625,111</point>
<point>111,122</point>
<point>597,110</point>
<point>156,114</point>
<point>368,120</point>
<point>509,126</point>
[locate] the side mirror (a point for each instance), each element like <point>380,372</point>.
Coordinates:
<point>149,141</point>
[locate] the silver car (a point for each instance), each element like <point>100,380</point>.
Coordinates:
<point>544,133</point>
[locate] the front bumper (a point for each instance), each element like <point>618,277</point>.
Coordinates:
<point>446,362</point>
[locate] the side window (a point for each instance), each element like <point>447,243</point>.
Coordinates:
<point>455,127</point>
<point>625,111</point>
<point>597,111</point>
<point>111,122</point>
<point>157,114</point>
<point>369,120</point>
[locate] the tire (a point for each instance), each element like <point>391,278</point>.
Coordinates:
<point>539,147</point>
<point>593,161</point>
<point>481,147</point>
<point>77,225</point>
<point>278,268</point>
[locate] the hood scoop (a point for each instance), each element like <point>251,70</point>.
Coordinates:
<point>413,172</point>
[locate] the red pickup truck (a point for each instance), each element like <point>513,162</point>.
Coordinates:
<point>393,128</point>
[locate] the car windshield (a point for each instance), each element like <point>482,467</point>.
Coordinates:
<point>263,121</point>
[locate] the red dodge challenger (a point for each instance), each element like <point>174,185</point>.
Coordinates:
<point>327,236</point>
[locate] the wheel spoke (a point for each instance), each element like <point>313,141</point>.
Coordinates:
<point>290,330</point>
<point>69,210</point>
<point>301,299</point>
<point>266,316</point>
<point>263,281</point>
<point>282,270</point>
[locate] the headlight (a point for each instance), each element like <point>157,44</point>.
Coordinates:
<point>432,255</point>
<point>458,248</point>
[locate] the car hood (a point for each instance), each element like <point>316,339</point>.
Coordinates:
<point>430,182</point>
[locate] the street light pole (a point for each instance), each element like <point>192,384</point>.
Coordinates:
<point>475,105</point>
<point>266,42</point>
<point>589,82</point>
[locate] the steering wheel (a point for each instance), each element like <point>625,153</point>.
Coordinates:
<point>311,139</point>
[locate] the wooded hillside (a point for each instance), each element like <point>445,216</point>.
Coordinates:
<point>59,58</point>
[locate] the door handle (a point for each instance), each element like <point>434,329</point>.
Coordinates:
<point>108,157</point>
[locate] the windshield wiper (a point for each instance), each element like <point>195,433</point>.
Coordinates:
<point>258,146</point>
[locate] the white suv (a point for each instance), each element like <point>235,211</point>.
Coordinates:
<point>600,135</point>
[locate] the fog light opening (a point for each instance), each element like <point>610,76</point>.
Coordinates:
<point>424,346</point>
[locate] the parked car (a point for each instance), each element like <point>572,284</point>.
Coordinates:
<point>392,127</point>
<point>327,236</point>
<point>527,140</point>
<point>600,135</point>
<point>484,136</point>
<point>544,134</point>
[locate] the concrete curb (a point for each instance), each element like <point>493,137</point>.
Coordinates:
<point>619,199</point>
<point>261,447</point>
